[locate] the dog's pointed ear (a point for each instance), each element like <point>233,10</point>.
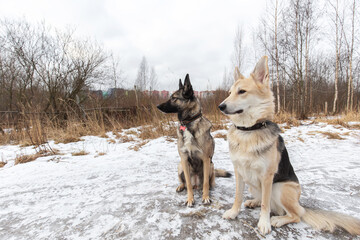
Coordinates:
<point>237,74</point>
<point>261,71</point>
<point>180,84</point>
<point>188,90</point>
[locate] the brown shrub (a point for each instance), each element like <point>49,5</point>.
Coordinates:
<point>26,158</point>
<point>79,153</point>
<point>354,126</point>
<point>220,135</point>
<point>332,135</point>
<point>139,145</point>
<point>133,132</point>
<point>329,135</point>
<point>100,154</point>
<point>42,152</point>
<point>67,138</point>
<point>125,138</point>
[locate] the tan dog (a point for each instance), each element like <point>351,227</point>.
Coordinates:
<point>261,160</point>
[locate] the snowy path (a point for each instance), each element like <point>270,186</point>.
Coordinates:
<point>127,194</point>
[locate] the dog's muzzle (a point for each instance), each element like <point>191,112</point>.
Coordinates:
<point>222,107</point>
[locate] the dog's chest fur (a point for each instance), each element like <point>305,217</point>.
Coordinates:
<point>187,142</point>
<point>249,153</point>
<point>194,143</point>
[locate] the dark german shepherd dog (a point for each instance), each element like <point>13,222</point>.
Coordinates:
<point>195,143</point>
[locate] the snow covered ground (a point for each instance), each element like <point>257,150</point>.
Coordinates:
<point>115,192</point>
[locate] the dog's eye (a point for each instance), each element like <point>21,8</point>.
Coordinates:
<point>241,91</point>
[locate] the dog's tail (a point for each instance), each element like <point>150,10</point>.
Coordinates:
<point>329,221</point>
<point>222,173</point>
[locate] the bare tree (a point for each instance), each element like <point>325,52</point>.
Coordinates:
<point>142,79</point>
<point>276,56</point>
<point>228,80</point>
<point>51,65</point>
<point>153,80</point>
<point>337,56</point>
<point>239,53</point>
<point>350,53</point>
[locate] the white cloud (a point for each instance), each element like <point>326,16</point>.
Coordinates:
<point>177,37</point>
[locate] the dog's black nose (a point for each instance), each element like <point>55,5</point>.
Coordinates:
<point>222,106</point>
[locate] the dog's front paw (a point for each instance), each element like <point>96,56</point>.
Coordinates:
<point>206,200</point>
<point>190,202</point>
<point>230,214</point>
<point>180,188</point>
<point>264,225</point>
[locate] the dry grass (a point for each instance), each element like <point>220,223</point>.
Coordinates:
<point>67,138</point>
<point>42,152</point>
<point>138,145</point>
<point>80,153</point>
<point>329,135</point>
<point>332,135</point>
<point>126,138</point>
<point>336,121</point>
<point>133,132</point>
<point>355,126</point>
<point>117,134</point>
<point>2,164</point>
<point>26,158</point>
<point>156,130</point>
<point>100,154</point>
<point>111,141</point>
<point>170,139</point>
<point>103,135</point>
<point>149,133</point>
<point>36,130</point>
<point>219,126</point>
<point>343,120</point>
<point>220,135</point>
<point>346,134</point>
<point>285,117</point>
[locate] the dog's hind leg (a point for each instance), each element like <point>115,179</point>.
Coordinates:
<point>289,201</point>
<point>181,187</point>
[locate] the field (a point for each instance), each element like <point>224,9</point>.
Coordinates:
<point>119,186</point>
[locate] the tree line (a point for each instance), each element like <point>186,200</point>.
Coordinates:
<point>313,54</point>
<point>46,69</point>
<point>312,46</point>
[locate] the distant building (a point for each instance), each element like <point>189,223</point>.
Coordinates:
<point>116,92</point>
<point>155,93</point>
<point>96,93</point>
<point>164,94</point>
<point>205,94</point>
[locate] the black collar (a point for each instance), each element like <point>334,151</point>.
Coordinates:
<point>188,120</point>
<point>254,127</point>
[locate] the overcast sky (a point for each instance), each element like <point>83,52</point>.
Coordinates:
<point>176,37</point>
